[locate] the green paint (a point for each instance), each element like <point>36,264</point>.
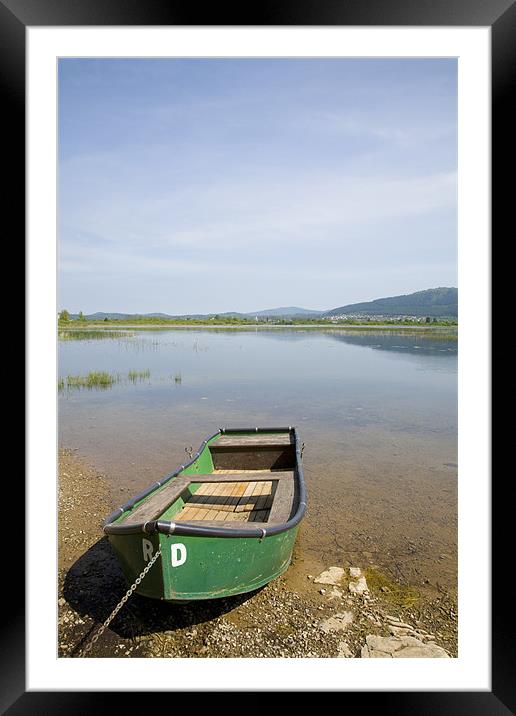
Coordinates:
<point>223,566</point>
<point>129,550</point>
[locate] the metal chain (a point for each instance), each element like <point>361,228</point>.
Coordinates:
<point>119,606</point>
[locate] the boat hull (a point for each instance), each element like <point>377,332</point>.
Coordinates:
<point>208,560</point>
<point>193,568</point>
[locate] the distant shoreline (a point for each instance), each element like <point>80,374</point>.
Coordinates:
<point>84,325</point>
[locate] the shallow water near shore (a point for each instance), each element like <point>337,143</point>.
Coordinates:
<point>377,412</point>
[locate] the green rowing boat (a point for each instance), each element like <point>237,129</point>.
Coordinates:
<point>225,523</point>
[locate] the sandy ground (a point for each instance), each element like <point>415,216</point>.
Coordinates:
<point>309,619</point>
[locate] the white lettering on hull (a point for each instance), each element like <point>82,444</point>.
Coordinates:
<point>178,553</point>
<point>147,549</point>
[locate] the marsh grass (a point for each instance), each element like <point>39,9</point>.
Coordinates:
<point>91,335</point>
<point>99,379</point>
<point>135,375</point>
<point>94,379</point>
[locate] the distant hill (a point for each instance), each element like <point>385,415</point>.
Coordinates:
<point>273,312</point>
<point>99,316</point>
<point>433,302</point>
<point>290,311</point>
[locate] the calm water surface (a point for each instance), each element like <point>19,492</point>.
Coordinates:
<point>377,412</point>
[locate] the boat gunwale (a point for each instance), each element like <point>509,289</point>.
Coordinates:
<point>195,529</point>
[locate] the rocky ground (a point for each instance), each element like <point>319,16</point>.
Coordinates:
<point>339,613</point>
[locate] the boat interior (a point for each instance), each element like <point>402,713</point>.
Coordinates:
<point>253,481</point>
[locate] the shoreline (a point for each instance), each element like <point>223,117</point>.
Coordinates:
<point>262,326</point>
<point>335,617</point>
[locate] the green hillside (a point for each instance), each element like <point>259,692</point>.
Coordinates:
<point>433,302</point>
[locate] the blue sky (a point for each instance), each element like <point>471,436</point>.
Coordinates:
<point>195,186</point>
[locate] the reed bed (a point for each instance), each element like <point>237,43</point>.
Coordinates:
<point>138,375</point>
<point>92,335</point>
<point>100,379</point>
<point>94,379</point>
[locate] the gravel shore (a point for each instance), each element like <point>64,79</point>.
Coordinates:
<point>341,613</point>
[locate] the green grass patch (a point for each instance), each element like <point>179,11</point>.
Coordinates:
<point>397,594</point>
<point>100,379</point>
<point>94,379</point>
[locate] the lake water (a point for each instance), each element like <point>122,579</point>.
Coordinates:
<point>377,412</point>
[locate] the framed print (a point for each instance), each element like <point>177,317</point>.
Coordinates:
<point>376,123</point>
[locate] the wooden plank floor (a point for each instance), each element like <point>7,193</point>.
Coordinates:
<point>230,502</point>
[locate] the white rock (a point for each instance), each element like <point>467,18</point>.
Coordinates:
<point>367,653</point>
<point>387,644</point>
<point>355,572</point>
<point>400,647</point>
<point>335,593</point>
<point>358,587</point>
<point>343,650</point>
<point>338,622</point>
<point>379,655</point>
<point>333,575</point>
<point>425,651</point>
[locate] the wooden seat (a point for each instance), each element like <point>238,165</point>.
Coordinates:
<point>254,441</point>
<point>157,503</point>
<point>261,496</point>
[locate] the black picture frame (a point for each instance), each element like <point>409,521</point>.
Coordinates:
<point>500,16</point>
